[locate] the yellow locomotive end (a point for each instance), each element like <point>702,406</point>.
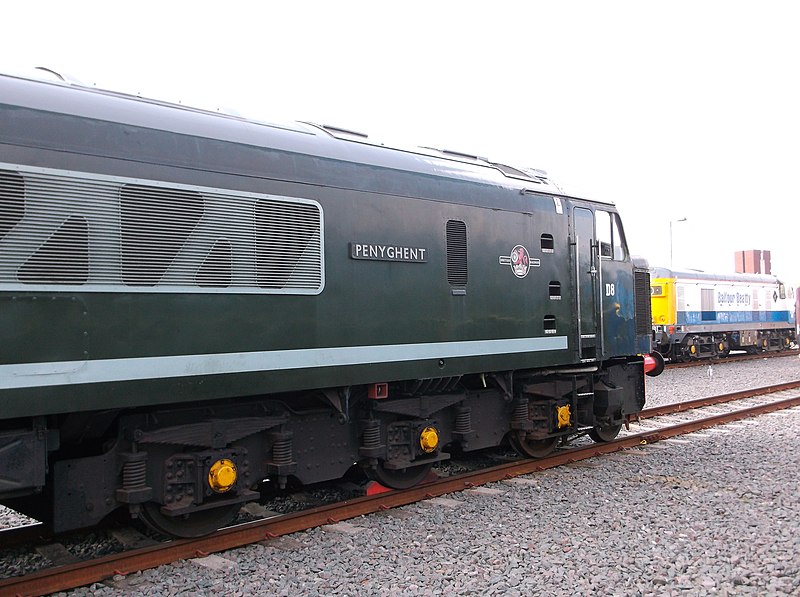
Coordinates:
<point>662,301</point>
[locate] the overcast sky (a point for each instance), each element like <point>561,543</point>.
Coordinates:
<point>673,110</point>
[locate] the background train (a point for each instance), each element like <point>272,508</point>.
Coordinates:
<point>192,304</point>
<point>699,315</point>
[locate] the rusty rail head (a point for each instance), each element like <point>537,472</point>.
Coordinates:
<point>84,573</point>
<point>669,409</point>
<point>733,359</point>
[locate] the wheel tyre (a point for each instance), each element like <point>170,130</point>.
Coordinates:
<point>532,448</point>
<point>196,524</point>
<point>399,478</point>
<point>605,434</point>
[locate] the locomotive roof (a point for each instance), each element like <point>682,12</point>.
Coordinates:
<point>663,272</point>
<point>305,138</point>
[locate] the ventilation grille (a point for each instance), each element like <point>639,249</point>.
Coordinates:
<point>680,297</point>
<point>287,245</point>
<point>457,253</point>
<point>12,207</point>
<point>106,235</point>
<point>63,258</point>
<point>155,225</point>
<point>707,310</point>
<point>641,283</point>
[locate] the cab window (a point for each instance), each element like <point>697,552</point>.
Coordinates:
<point>610,237</point>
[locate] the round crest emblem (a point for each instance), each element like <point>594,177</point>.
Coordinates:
<point>520,262</point>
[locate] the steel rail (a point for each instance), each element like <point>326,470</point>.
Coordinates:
<point>732,359</point>
<point>676,407</point>
<point>84,573</point>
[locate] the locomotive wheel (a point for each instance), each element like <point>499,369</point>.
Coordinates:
<point>605,434</point>
<point>532,448</point>
<point>399,478</point>
<point>196,524</point>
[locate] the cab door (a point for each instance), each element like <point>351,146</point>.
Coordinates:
<point>586,272</point>
<point>616,289</point>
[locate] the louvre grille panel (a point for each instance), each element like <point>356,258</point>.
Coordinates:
<point>107,235</point>
<point>287,245</point>
<point>63,258</point>
<point>641,283</point>
<point>706,299</point>
<point>12,192</point>
<point>155,225</point>
<point>456,253</point>
<point>217,268</point>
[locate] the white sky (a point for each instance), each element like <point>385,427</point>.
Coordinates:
<point>680,109</point>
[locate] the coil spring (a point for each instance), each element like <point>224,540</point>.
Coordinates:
<point>282,451</point>
<point>521,411</point>
<point>463,420</point>
<point>372,434</point>
<point>134,474</point>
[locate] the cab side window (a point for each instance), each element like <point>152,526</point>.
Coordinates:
<point>610,237</point>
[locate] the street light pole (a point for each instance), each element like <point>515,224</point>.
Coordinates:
<point>670,238</point>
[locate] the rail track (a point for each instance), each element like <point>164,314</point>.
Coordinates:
<point>660,425</point>
<point>733,358</point>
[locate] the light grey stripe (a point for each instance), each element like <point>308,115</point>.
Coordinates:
<point>30,375</point>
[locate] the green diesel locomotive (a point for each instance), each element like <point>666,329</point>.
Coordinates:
<point>192,303</point>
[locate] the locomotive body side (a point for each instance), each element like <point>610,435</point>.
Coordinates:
<point>698,315</point>
<point>194,303</point>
